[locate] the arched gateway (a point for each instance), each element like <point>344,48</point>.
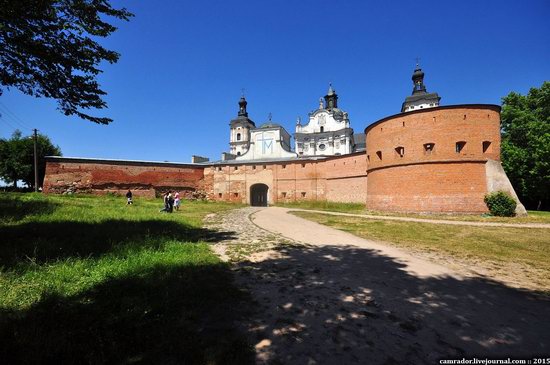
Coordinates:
<point>258,195</point>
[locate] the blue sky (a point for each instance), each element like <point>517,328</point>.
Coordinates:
<point>183,64</point>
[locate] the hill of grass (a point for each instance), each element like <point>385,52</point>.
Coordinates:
<point>87,279</point>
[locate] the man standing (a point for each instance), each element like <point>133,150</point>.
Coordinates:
<point>129,197</point>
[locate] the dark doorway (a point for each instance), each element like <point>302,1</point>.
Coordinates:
<point>258,195</point>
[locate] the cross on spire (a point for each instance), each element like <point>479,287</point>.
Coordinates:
<point>269,117</point>
<point>417,61</point>
<point>242,92</point>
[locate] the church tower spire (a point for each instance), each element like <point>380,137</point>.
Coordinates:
<point>242,107</point>
<point>418,80</point>
<point>420,98</point>
<point>331,99</point>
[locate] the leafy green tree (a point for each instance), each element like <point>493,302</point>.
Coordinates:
<point>48,49</point>
<point>526,144</point>
<point>17,158</point>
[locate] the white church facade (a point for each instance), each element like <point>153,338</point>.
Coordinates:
<point>328,131</point>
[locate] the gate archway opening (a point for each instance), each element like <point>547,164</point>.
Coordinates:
<point>258,195</point>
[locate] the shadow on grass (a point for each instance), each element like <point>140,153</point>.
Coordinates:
<point>12,209</point>
<point>344,304</point>
<point>42,242</point>
<point>165,315</point>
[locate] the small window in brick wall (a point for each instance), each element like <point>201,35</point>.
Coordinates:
<point>303,194</point>
<point>284,194</point>
<point>400,151</point>
<point>236,167</point>
<point>284,166</point>
<point>368,158</point>
<point>459,146</point>
<point>379,154</point>
<point>303,165</point>
<point>219,168</point>
<point>254,167</point>
<point>236,195</point>
<point>265,167</point>
<point>487,147</point>
<point>428,148</point>
<point>219,195</point>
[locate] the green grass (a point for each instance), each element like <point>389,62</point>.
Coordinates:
<point>359,208</point>
<point>517,249</point>
<point>86,279</point>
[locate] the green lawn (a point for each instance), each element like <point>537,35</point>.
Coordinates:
<point>519,252</point>
<point>86,279</point>
<point>359,208</point>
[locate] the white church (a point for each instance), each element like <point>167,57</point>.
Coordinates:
<point>327,133</point>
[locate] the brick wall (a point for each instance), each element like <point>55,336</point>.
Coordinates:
<point>413,163</point>
<point>102,176</point>
<point>339,178</point>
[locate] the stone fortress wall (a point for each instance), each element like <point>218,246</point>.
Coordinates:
<point>95,176</point>
<point>411,164</point>
<point>338,179</point>
<point>435,160</point>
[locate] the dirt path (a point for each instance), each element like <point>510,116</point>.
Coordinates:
<point>323,296</point>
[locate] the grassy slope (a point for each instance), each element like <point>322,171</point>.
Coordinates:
<point>526,250</point>
<point>358,208</point>
<point>91,280</point>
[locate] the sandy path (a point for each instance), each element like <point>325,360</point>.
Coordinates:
<point>325,296</point>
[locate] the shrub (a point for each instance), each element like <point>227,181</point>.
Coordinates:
<point>500,204</point>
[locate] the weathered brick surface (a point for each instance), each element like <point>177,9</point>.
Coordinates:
<point>402,174</point>
<point>440,180</point>
<point>118,176</point>
<point>293,181</point>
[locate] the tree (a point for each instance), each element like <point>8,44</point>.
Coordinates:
<point>17,158</point>
<point>526,144</point>
<point>47,49</point>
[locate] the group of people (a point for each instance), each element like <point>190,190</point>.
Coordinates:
<point>171,201</point>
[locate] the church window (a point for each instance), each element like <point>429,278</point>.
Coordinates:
<point>459,146</point>
<point>421,106</point>
<point>238,136</point>
<point>238,153</point>
<point>322,129</point>
<point>428,148</point>
<point>303,194</point>
<point>379,154</point>
<point>301,152</point>
<point>322,146</point>
<point>400,151</point>
<point>487,147</point>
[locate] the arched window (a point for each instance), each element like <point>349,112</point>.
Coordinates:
<point>238,136</point>
<point>322,129</point>
<point>238,153</point>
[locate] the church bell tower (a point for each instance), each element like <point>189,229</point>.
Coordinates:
<point>239,138</point>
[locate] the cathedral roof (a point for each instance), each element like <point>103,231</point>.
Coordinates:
<point>270,125</point>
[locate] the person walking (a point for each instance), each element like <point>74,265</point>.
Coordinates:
<point>170,202</point>
<point>177,201</point>
<point>165,201</point>
<point>129,197</point>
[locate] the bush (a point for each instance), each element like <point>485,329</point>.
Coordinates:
<point>500,204</point>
